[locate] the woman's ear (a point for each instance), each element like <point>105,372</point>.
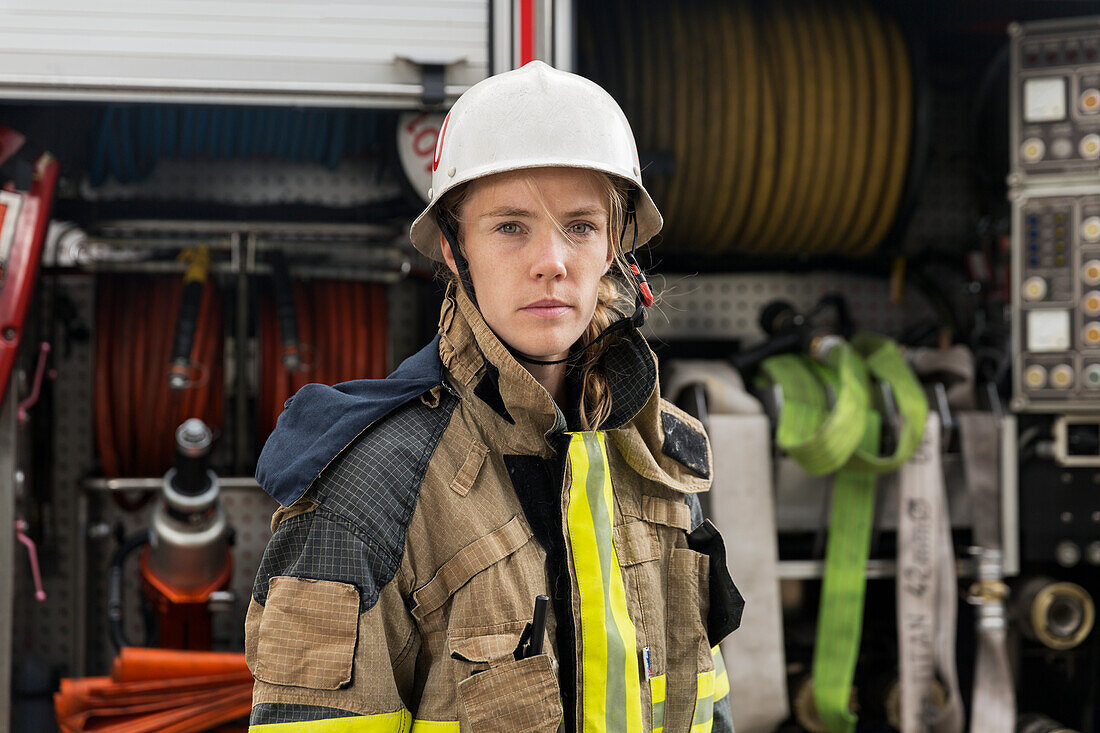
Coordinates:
<point>448,256</point>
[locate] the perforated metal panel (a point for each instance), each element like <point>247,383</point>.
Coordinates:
<point>54,629</point>
<point>255,183</point>
<point>715,307</point>
<point>249,513</point>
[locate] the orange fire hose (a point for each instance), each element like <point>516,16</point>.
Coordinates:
<point>158,690</point>
<point>342,333</point>
<point>136,412</point>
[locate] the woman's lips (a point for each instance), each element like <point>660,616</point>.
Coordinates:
<point>547,309</point>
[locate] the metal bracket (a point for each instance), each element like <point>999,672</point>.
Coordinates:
<point>433,78</point>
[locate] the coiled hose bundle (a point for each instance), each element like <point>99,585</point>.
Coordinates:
<point>135,409</point>
<point>327,331</point>
<point>778,128</point>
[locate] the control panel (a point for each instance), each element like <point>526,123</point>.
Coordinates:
<point>1056,99</point>
<point>1056,306</point>
<point>1055,194</point>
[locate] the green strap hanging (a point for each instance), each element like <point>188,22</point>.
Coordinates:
<point>844,440</point>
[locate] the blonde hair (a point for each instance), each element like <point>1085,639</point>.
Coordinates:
<point>613,301</point>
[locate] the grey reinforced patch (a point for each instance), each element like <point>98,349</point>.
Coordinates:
<point>366,497</point>
<point>268,713</point>
<point>684,445</point>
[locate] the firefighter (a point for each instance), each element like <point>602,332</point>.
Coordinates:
<point>525,451</point>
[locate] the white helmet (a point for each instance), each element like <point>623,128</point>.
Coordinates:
<point>532,117</point>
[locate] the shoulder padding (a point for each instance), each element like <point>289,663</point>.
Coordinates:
<point>366,497</point>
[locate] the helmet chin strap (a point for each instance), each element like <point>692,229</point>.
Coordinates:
<point>642,299</point>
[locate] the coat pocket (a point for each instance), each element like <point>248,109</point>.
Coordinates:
<point>689,678</point>
<point>513,697</point>
<point>308,633</point>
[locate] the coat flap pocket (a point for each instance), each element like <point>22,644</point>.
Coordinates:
<point>489,648</point>
<point>667,512</point>
<point>518,696</point>
<point>468,562</point>
<point>635,542</point>
<point>308,633</point>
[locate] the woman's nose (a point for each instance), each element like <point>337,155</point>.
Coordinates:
<point>549,256</point>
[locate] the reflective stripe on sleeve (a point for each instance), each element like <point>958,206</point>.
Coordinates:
<point>721,679</point>
<point>610,688</point>
<point>397,722</point>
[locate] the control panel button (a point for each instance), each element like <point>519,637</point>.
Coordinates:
<point>1035,376</point>
<point>1049,330</point>
<point>1091,272</point>
<point>1033,150</point>
<point>1091,377</point>
<point>1090,229</point>
<point>1061,148</point>
<point>1091,303</point>
<point>1090,334</point>
<point>1061,376</point>
<point>1035,288</point>
<point>1089,101</point>
<point>1089,146</point>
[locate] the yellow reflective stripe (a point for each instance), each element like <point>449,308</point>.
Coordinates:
<point>704,703</point>
<point>721,679</point>
<point>611,692</point>
<point>657,697</point>
<point>397,722</point>
<point>432,726</point>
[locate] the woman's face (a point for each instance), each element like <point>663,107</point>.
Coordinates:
<point>537,245</point>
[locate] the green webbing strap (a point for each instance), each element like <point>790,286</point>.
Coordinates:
<point>844,440</point>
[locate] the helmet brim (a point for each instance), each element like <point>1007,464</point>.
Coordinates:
<point>425,234</point>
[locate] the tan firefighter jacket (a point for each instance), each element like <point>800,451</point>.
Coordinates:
<point>423,514</point>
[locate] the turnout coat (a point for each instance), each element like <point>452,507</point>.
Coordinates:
<point>422,514</point>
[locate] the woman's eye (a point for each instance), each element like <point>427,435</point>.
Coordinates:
<point>581,228</point>
<point>509,228</point>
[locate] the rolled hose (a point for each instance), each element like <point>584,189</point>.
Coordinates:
<point>775,128</point>
<point>342,334</point>
<point>136,412</point>
<point>114,586</point>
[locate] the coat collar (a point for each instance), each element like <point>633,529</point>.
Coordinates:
<point>515,414</point>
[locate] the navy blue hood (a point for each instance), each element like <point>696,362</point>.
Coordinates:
<point>320,421</point>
